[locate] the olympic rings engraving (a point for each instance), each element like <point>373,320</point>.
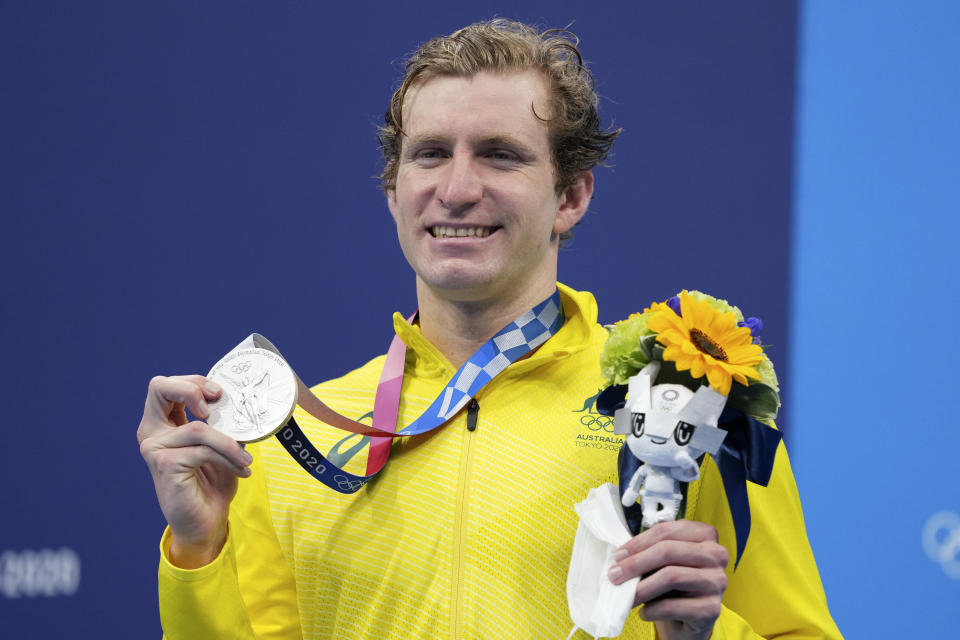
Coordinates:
<point>941,541</point>
<point>241,367</point>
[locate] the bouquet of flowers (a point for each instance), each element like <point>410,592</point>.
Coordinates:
<point>697,336</point>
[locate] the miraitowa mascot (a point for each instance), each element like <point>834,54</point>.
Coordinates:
<point>669,428</point>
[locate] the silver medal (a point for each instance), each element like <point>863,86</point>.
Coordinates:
<point>259,394</point>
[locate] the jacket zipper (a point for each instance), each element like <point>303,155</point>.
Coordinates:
<point>460,528</point>
<point>473,407</point>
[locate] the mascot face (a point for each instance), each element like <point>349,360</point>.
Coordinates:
<point>657,434</point>
<point>666,423</point>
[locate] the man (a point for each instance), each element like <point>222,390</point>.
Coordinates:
<point>489,143</point>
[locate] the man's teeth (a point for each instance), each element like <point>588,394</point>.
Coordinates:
<point>460,232</point>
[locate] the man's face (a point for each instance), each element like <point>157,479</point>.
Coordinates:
<point>475,202</point>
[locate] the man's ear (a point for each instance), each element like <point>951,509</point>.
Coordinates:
<point>392,203</point>
<point>574,202</point>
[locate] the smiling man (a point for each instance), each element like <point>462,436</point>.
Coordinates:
<point>476,202</point>
<point>489,146</point>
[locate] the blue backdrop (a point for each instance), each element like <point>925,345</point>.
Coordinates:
<point>173,178</point>
<point>874,349</point>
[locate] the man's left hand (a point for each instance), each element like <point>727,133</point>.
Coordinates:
<point>681,565</point>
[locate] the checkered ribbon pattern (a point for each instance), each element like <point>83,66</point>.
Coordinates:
<point>511,343</point>
<point>514,341</point>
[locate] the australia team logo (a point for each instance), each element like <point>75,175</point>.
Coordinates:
<point>599,428</point>
<point>591,419</point>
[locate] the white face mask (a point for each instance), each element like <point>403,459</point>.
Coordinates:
<point>598,606</point>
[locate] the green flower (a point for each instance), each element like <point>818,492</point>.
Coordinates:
<point>767,375</point>
<point>622,356</point>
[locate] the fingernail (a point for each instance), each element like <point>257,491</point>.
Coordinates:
<point>614,573</point>
<point>212,387</point>
<point>246,472</point>
<point>247,458</point>
<point>619,555</point>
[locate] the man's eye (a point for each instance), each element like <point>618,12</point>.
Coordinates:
<point>501,155</point>
<point>428,154</point>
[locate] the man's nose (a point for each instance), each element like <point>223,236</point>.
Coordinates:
<point>460,186</point>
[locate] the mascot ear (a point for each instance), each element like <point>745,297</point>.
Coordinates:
<point>638,394</point>
<point>703,410</point>
<point>621,422</point>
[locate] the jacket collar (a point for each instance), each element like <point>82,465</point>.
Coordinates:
<point>579,307</point>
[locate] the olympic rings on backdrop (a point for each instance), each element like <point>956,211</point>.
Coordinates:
<point>941,541</point>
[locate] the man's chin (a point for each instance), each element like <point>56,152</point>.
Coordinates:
<point>459,284</point>
<point>460,288</point>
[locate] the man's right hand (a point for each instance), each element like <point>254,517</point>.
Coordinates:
<point>194,466</point>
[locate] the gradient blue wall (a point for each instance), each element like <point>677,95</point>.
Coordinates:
<point>875,301</point>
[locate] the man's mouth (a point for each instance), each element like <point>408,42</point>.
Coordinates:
<point>439,231</point>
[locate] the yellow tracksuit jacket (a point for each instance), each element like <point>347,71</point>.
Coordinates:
<point>467,534</point>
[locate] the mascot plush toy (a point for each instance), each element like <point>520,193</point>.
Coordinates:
<point>667,427</point>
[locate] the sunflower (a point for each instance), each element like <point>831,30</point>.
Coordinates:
<point>706,341</point>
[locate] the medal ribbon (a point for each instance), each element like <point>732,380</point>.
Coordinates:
<point>511,343</point>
